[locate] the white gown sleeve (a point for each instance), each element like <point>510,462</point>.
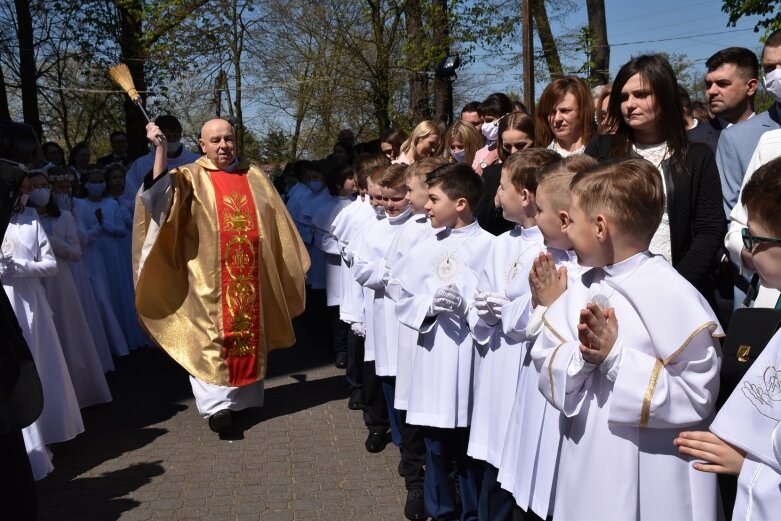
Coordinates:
<point>65,238</point>
<point>677,392</point>
<point>44,264</point>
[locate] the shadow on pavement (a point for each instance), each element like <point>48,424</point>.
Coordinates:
<point>288,399</point>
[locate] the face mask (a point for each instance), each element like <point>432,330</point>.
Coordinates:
<point>490,130</point>
<point>62,199</point>
<point>773,84</point>
<point>40,197</point>
<point>95,189</point>
<point>315,186</point>
<point>458,156</point>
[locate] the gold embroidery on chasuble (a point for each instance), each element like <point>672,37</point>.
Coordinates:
<point>241,266</point>
<point>239,254</point>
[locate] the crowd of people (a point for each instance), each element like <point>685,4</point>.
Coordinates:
<point>524,300</point>
<point>519,300</point>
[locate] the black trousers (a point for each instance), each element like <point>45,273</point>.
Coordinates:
<point>494,503</point>
<point>375,411</point>
<point>18,497</point>
<point>354,372</point>
<point>339,330</point>
<point>413,454</point>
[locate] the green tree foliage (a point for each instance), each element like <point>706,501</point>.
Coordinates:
<point>769,10</point>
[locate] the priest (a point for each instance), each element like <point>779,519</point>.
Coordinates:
<point>219,270</point>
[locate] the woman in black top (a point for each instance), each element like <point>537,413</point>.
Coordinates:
<point>646,112</point>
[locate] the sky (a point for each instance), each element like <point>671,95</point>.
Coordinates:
<point>696,29</point>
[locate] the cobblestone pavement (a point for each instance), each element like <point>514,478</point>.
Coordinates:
<point>149,455</point>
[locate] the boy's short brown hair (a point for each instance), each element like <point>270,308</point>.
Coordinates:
<point>522,165</point>
<point>366,164</point>
<point>630,191</point>
<point>392,177</point>
<point>762,195</point>
<point>457,180</point>
<point>422,167</point>
<point>558,175</point>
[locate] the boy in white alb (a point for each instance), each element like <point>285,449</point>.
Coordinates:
<point>438,280</point>
<point>340,182</point>
<point>370,272</point>
<point>533,441</point>
<point>373,401</point>
<point>628,353</point>
<point>404,339</point>
<point>345,226</point>
<point>498,357</point>
<point>745,438</point>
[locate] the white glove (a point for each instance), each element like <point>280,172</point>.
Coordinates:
<point>347,255</point>
<point>448,300</point>
<point>8,267</point>
<point>358,328</point>
<point>489,306</point>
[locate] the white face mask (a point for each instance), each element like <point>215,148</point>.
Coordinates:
<point>95,189</point>
<point>773,84</point>
<point>40,197</point>
<point>491,130</point>
<point>459,156</point>
<point>174,147</point>
<point>62,199</point>
<point>315,186</point>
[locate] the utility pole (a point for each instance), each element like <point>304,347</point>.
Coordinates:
<point>527,46</point>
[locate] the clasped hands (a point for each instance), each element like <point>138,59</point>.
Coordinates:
<point>448,299</point>
<point>488,306</point>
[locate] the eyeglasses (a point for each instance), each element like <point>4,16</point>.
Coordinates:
<point>750,241</point>
<point>509,148</point>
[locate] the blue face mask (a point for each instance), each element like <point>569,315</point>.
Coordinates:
<point>95,189</point>
<point>315,186</point>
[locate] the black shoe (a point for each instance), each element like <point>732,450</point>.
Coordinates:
<point>354,403</point>
<point>341,360</point>
<point>376,441</point>
<point>414,509</point>
<point>221,421</point>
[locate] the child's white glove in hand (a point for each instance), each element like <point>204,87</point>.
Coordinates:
<point>489,306</point>
<point>359,329</point>
<point>448,300</point>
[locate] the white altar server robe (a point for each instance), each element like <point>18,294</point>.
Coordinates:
<point>497,356</point>
<point>441,391</point>
<point>533,442</point>
<point>750,420</point>
<point>661,377</point>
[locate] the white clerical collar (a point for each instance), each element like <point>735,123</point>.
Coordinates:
<point>402,217</point>
<point>469,229</point>
<point>627,265</point>
<point>420,217</point>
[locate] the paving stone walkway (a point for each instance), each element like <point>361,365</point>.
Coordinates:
<point>149,456</point>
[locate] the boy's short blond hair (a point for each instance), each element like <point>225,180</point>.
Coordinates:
<point>421,169</point>
<point>628,191</point>
<point>522,166</point>
<point>367,164</point>
<point>557,177</point>
<point>392,177</point>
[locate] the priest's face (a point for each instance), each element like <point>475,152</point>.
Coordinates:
<point>218,142</point>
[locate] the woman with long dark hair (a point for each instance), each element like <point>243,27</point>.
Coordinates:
<point>645,111</point>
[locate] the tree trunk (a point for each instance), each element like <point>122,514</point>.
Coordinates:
<point>27,69</point>
<point>599,54</point>
<point>5,112</point>
<point>443,94</point>
<point>546,39</point>
<point>419,106</point>
<point>381,95</point>
<point>134,53</point>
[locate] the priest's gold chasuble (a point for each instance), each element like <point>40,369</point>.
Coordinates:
<point>220,274</point>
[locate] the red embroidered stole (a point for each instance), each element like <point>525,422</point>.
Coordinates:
<point>240,255</point>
